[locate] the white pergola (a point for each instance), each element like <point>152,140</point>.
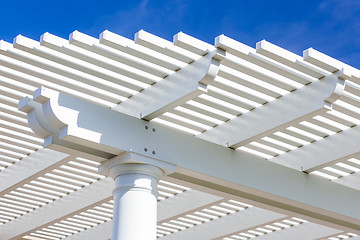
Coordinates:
<point>204,141</point>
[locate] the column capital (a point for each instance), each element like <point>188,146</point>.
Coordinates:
<point>135,168</point>
<point>109,167</point>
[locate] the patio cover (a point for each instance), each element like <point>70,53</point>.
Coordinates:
<point>254,143</point>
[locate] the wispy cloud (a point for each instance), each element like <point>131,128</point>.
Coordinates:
<point>158,17</point>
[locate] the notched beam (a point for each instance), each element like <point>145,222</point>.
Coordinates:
<point>294,107</point>
<point>174,90</point>
<point>322,153</point>
<point>239,173</point>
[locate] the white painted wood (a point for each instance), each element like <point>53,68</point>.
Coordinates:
<point>123,44</point>
<point>92,59</point>
<point>29,168</point>
<point>167,209</point>
<point>99,232</point>
<point>135,201</point>
<point>55,211</point>
<point>304,231</point>
<point>183,202</point>
<point>192,44</point>
<point>83,72</point>
<point>326,62</point>
<point>352,181</point>
<point>230,223</point>
<point>119,68</point>
<point>163,46</point>
<point>343,235</point>
<point>327,151</point>
<point>208,162</point>
<point>115,57</point>
<point>289,59</point>
<point>278,114</point>
<point>174,90</point>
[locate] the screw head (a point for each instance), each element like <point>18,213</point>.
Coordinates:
<point>146,127</point>
<point>145,149</point>
<point>153,152</point>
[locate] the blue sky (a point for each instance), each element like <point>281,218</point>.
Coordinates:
<point>330,26</point>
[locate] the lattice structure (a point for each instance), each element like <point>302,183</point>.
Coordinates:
<point>241,132</point>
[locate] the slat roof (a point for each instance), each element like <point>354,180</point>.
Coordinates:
<point>245,107</point>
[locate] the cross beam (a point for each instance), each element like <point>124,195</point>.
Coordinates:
<point>294,107</point>
<point>70,123</point>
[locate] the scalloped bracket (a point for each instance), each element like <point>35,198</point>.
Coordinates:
<point>302,104</point>
<point>174,90</point>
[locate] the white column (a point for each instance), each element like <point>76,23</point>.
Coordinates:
<point>135,201</point>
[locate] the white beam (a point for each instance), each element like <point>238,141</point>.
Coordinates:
<point>98,232</point>
<point>291,108</point>
<point>328,63</point>
<point>184,203</point>
<point>352,181</point>
<point>175,89</point>
<point>314,156</point>
<point>30,167</point>
<point>123,44</point>
<point>192,44</point>
<point>163,46</point>
<point>197,161</point>
<point>167,209</point>
<point>304,231</point>
<point>64,207</point>
<point>227,224</point>
<point>286,69</point>
<point>90,196</point>
<point>343,235</point>
<point>288,58</point>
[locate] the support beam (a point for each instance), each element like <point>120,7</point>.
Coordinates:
<point>286,228</point>
<point>90,196</point>
<point>307,230</point>
<point>294,107</point>
<point>174,90</point>
<point>351,181</point>
<point>327,151</point>
<point>198,161</point>
<point>29,168</point>
<point>62,208</point>
<point>99,232</point>
<point>230,223</point>
<point>343,235</point>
